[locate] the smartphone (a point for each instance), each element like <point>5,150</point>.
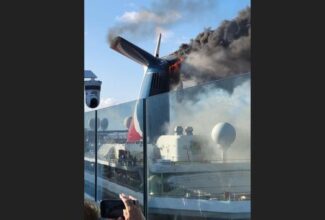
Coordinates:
<point>112,208</point>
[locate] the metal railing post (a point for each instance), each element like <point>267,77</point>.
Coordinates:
<point>145,159</point>
<point>96,155</point>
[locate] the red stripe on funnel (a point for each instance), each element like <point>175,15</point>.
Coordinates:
<point>133,135</point>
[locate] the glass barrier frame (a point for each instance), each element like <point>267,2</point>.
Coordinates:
<point>146,170</point>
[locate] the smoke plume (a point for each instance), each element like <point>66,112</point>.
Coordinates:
<point>219,53</point>
<point>214,105</point>
<point>213,55</point>
<point>160,15</point>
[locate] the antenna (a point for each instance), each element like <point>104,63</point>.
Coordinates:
<point>156,54</point>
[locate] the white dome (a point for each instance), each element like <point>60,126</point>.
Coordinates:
<point>92,123</point>
<point>127,121</point>
<point>104,123</point>
<point>223,134</point>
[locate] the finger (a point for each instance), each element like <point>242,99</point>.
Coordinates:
<point>124,200</point>
<point>127,202</point>
<point>135,201</point>
<point>124,196</point>
<point>131,197</point>
<point>125,214</point>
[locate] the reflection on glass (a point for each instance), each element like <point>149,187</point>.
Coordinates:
<point>120,160</point>
<point>89,152</point>
<point>199,164</point>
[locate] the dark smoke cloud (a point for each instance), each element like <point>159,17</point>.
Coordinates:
<point>219,53</point>
<point>160,15</point>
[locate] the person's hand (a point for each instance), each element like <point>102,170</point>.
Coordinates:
<point>132,211</point>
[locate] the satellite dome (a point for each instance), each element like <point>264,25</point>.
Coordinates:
<point>104,124</point>
<point>92,123</point>
<point>127,121</point>
<point>223,134</point>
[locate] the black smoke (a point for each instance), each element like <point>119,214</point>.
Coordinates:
<point>219,53</point>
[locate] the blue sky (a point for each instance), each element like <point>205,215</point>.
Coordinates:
<point>122,77</point>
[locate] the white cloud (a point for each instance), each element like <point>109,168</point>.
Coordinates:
<point>147,16</point>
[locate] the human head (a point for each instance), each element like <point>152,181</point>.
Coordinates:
<point>91,210</point>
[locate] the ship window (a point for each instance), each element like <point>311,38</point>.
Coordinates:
<point>155,81</point>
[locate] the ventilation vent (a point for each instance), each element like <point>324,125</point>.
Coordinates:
<point>155,81</point>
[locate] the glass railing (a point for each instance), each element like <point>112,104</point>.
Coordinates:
<point>194,160</point>
<point>89,154</point>
<point>120,163</point>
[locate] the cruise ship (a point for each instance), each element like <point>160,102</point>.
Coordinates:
<point>182,178</point>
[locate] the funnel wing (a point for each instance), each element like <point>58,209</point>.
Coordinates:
<point>132,51</point>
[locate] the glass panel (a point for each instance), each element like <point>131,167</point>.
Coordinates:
<point>120,151</point>
<point>89,152</point>
<point>199,151</point>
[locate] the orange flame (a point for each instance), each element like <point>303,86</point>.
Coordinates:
<point>176,66</point>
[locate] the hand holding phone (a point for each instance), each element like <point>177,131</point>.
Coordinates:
<point>132,211</point>
<point>127,208</point>
<point>112,208</point>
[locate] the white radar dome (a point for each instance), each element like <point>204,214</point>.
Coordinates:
<point>92,123</point>
<point>104,124</point>
<point>127,121</point>
<point>223,134</point>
